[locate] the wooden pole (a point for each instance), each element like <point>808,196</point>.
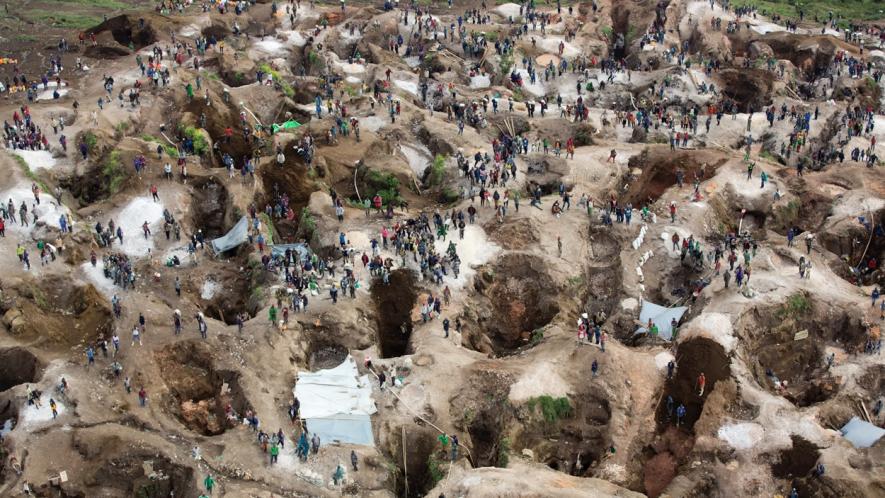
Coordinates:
<point>405,467</point>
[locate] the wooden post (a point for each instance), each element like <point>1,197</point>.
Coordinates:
<point>405,468</point>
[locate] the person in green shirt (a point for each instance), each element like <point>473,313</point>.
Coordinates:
<point>272,315</point>
<point>274,453</point>
<point>209,482</point>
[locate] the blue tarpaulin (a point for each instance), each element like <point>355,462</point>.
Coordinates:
<point>236,236</point>
<point>660,316</point>
<point>861,433</point>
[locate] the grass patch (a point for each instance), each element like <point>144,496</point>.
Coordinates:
<point>506,64</point>
<point>795,306</point>
<point>288,91</point>
<point>437,170</point>
<point>307,225</point>
<point>91,140</point>
<point>63,20</point>
<point>434,470</point>
<point>200,143</point>
<point>503,453</point>
<point>112,169</point>
<point>384,184</point>
<point>848,10</point>
<point>552,409</point>
<point>97,4</point>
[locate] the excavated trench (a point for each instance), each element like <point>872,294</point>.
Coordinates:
<point>55,314</point>
<point>797,461</point>
<point>127,30</point>
<point>210,207</point>
<point>393,309</point>
<point>291,180</point>
<point>749,88</point>
<point>126,475</point>
<point>602,284</point>
<point>855,246</point>
<point>693,357</point>
<point>18,366</point>
<point>774,354</point>
<point>322,355</point>
<point>515,297</point>
<point>199,394</point>
<point>238,291</point>
<point>659,166</point>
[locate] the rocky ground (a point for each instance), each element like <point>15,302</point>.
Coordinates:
<point>514,385</point>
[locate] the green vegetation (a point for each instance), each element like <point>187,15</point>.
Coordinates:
<point>437,170</point>
<point>96,4</point>
<point>434,469</point>
<point>29,173</point>
<point>91,140</point>
<point>288,91</point>
<point>537,336</point>
<point>449,196</point>
<point>503,453</point>
<point>552,409</point>
<point>847,10</point>
<point>112,169</point>
<point>270,228</point>
<point>63,19</point>
<point>307,225</point>
<point>384,184</point>
<point>200,144</point>
<point>796,305</point>
<point>506,64</point>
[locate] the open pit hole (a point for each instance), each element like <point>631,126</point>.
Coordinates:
<point>393,308</point>
<point>209,205</point>
<point>421,449</point>
<point>290,181</point>
<point>693,357</point>
<point>127,475</point>
<point>486,435</point>
<point>234,291</point>
<point>18,366</point>
<point>517,297</point>
<point>325,355</point>
<point>205,400</point>
<point>127,31</point>
<point>796,461</point>
<point>659,166</point>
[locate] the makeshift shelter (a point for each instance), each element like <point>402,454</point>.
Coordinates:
<point>233,238</point>
<point>288,125</point>
<point>337,404</point>
<point>660,316</point>
<point>861,433</point>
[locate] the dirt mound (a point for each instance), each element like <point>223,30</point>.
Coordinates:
<point>514,233</point>
<point>516,297</point>
<point>393,306</point>
<point>199,395</point>
<point>749,88</point>
<point>209,207</point>
<point>659,165</point>
<point>127,31</point>
<point>694,357</point>
<point>545,172</point>
<point>18,366</point>
<point>54,313</point>
<point>797,461</point>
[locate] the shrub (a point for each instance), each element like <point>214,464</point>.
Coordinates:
<point>552,409</point>
<point>437,170</point>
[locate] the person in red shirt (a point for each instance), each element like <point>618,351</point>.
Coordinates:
<point>702,382</point>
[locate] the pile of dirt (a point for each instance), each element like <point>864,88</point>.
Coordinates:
<point>127,31</point>
<point>545,172</point>
<point>695,356</point>
<point>659,165</point>
<point>199,395</point>
<point>54,313</point>
<point>18,366</point>
<point>516,296</point>
<point>106,51</point>
<point>514,234</point>
<point>142,473</point>
<point>393,306</point>
<point>662,459</point>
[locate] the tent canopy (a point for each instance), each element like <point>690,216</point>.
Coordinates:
<point>661,317</point>
<point>861,433</point>
<point>236,236</point>
<point>336,403</point>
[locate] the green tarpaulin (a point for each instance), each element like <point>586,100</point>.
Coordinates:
<point>288,125</point>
